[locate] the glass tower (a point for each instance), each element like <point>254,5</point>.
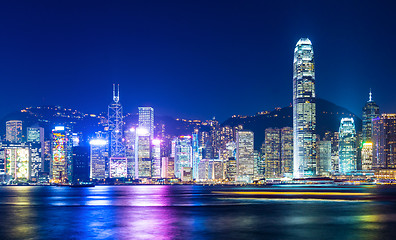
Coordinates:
<point>304,110</point>
<point>347,145</point>
<point>370,111</point>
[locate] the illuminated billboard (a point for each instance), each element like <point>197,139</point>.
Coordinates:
<point>17,162</point>
<point>118,167</point>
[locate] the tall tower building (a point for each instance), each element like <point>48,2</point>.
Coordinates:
<point>304,110</point>
<point>287,151</point>
<point>146,119</point>
<point>384,141</point>
<point>183,154</point>
<point>272,153</point>
<point>98,156</point>
<point>14,131</point>
<point>244,154</point>
<point>115,124</point>
<point>370,111</point>
<point>347,145</point>
<point>118,160</point>
<point>62,155</point>
<point>35,138</point>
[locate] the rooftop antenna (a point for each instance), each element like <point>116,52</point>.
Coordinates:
<point>116,98</point>
<point>370,96</point>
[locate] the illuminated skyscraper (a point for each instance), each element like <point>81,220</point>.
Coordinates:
<point>62,155</point>
<point>384,141</point>
<point>324,158</point>
<point>118,160</point>
<point>272,153</point>
<point>304,110</point>
<point>17,158</point>
<point>98,157</point>
<point>14,131</point>
<point>287,151</point>
<point>367,156</point>
<point>143,161</point>
<point>347,145</point>
<point>244,154</point>
<point>35,138</point>
<point>156,158</point>
<point>183,154</point>
<point>146,119</point>
<point>115,124</point>
<point>370,111</point>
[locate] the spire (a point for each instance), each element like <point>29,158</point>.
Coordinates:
<point>116,98</point>
<point>370,96</point>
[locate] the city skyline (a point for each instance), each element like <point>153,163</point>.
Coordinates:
<point>193,72</point>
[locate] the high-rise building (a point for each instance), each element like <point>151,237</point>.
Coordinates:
<point>156,158</point>
<point>146,120</point>
<point>367,156</point>
<point>287,151</point>
<point>384,142</point>
<point>14,131</point>
<point>197,154</point>
<point>118,160</point>
<point>35,138</point>
<point>81,161</point>
<point>304,110</point>
<point>143,161</point>
<point>130,138</point>
<point>244,154</point>
<point>272,153</point>
<point>324,158</point>
<point>347,145</point>
<point>62,155</point>
<point>183,154</point>
<point>370,111</point>
<point>333,137</point>
<point>98,158</point>
<point>17,158</point>
<point>115,125</point>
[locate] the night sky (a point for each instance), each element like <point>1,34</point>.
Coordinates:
<point>193,59</point>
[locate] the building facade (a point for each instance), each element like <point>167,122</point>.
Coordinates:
<point>304,110</point>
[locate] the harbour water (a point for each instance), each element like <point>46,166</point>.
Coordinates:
<point>198,212</point>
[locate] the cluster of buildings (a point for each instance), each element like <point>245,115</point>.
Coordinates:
<point>143,151</point>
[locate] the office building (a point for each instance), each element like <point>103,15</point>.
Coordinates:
<point>146,120</point>
<point>347,146</point>
<point>98,158</point>
<point>14,131</point>
<point>370,111</point>
<point>384,142</point>
<point>62,155</point>
<point>304,110</point>
<point>286,151</point>
<point>35,139</point>
<point>183,154</point>
<point>324,158</point>
<point>244,154</point>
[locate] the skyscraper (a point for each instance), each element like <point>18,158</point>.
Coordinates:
<point>272,153</point>
<point>287,151</point>
<point>370,111</point>
<point>35,138</point>
<point>62,159</point>
<point>98,157</point>
<point>244,154</point>
<point>118,160</point>
<point>347,145</point>
<point>183,154</point>
<point>115,124</point>
<point>324,158</point>
<point>384,141</point>
<point>146,119</point>
<point>304,110</point>
<point>14,131</point>
<point>143,156</point>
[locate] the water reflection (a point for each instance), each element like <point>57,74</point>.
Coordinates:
<point>187,212</point>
